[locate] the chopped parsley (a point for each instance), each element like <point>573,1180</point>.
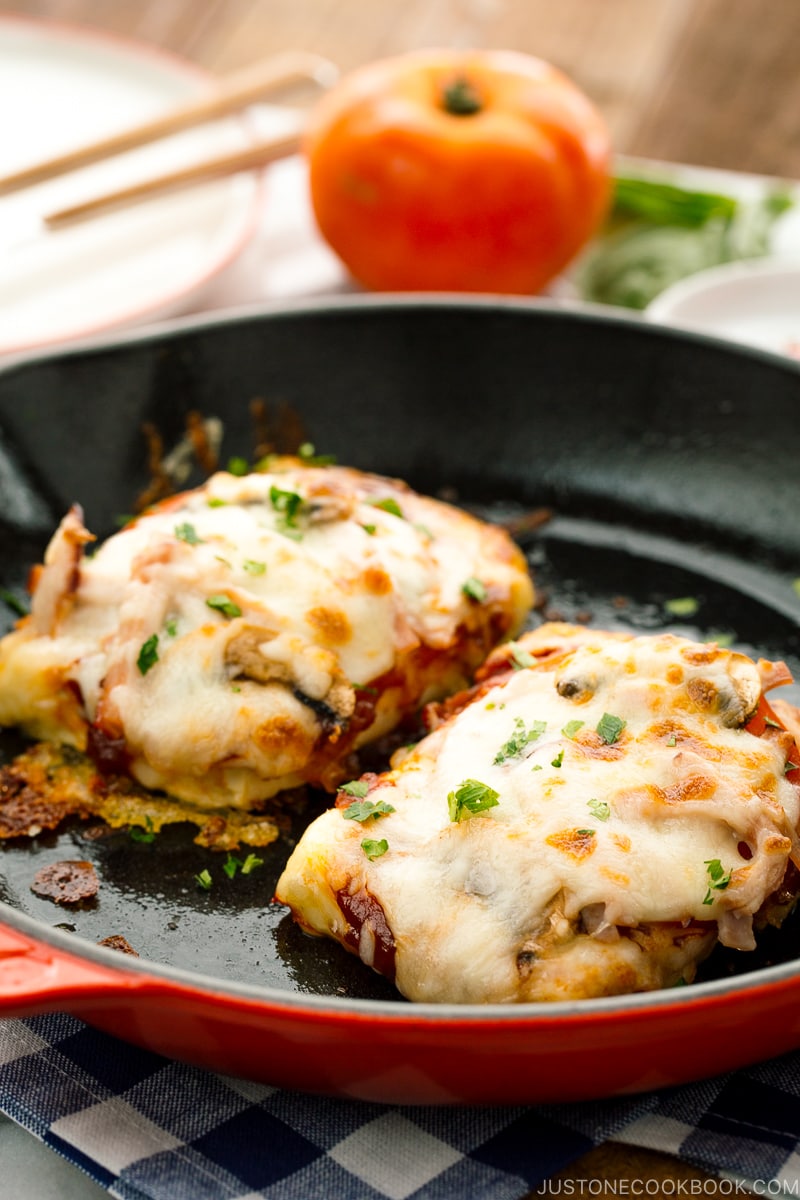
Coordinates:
<point>520,738</point>
<point>717,879</point>
<point>469,799</point>
<point>148,834</point>
<point>370,529</point>
<point>585,832</point>
<point>203,879</point>
<point>537,767</point>
<point>790,766</point>
<point>520,658</point>
<point>308,452</point>
<point>171,626</point>
<point>610,727</point>
<point>216,502</point>
<point>558,760</point>
<point>253,567</point>
<point>13,602</point>
<point>238,465</point>
<point>225,561</point>
<point>224,604</point>
<point>233,864</point>
<point>682,606</point>
<point>357,788</point>
<point>362,810</point>
<point>148,654</point>
<point>374,849</point>
<point>474,589</point>
<point>187,533</point>
<point>388,505</point>
<point>288,506</point>
<point>571,728</point>
<point>672,740</point>
<point>600,809</point>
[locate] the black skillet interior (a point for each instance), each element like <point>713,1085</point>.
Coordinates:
<point>669,463</point>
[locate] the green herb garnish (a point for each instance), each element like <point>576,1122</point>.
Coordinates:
<point>224,604</point>
<point>558,760</point>
<point>610,727</point>
<point>370,529</point>
<point>718,879</point>
<point>571,728</point>
<point>374,849</point>
<point>520,659</point>
<point>474,589</point>
<point>307,451</point>
<point>250,863</point>
<point>388,505</point>
<point>520,738</point>
<point>171,626</point>
<point>682,606</point>
<point>238,465</point>
<point>470,799</point>
<point>289,506</point>
<point>362,810</point>
<point>148,834</point>
<point>600,809</point>
<point>253,567</point>
<point>231,866</point>
<point>356,787</point>
<point>204,880</point>
<point>148,654</point>
<point>187,533</point>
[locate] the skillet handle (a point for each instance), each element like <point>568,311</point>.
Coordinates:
<point>36,977</point>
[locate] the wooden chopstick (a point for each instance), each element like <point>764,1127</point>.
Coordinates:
<point>255,156</point>
<point>233,92</point>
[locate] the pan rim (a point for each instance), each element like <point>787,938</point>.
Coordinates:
<point>401,1013</point>
<point>579,312</point>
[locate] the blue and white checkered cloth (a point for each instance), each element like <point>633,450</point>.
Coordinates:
<point>147,1128</point>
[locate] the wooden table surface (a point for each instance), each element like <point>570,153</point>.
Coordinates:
<point>712,82</point>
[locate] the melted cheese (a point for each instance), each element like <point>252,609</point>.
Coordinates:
<point>246,636</point>
<point>609,863</point>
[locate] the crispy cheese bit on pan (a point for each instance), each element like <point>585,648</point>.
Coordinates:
<point>591,818</point>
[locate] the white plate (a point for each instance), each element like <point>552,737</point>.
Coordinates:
<point>756,302</point>
<point>61,87</point>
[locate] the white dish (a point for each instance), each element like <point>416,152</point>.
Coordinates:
<point>756,302</point>
<point>60,87</point>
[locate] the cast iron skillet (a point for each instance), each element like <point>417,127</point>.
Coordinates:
<point>670,465</point>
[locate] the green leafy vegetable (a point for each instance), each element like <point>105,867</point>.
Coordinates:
<point>571,728</point>
<point>187,533</point>
<point>356,787</point>
<point>146,835</point>
<point>204,880</point>
<point>374,849</point>
<point>682,606</point>
<point>307,451</point>
<point>610,727</point>
<point>362,810</point>
<point>148,654</point>
<point>224,604</point>
<point>558,760</point>
<point>388,505</point>
<point>520,659</point>
<point>470,799</point>
<point>600,809</point>
<point>520,738</point>
<point>659,233</point>
<point>718,880</point>
<point>253,567</point>
<point>474,589</point>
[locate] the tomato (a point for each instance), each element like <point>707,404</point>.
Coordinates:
<point>457,170</point>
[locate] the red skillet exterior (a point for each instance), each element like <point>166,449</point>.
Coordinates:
<point>411,1055</point>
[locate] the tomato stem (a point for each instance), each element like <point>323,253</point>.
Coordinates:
<point>461,98</point>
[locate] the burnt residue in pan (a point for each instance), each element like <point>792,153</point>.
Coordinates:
<point>182,904</point>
